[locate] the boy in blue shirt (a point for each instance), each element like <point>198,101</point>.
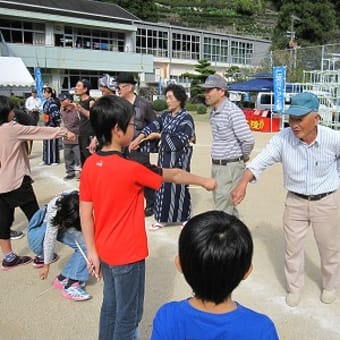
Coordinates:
<point>215,255</point>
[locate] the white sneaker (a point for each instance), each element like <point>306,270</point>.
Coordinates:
<point>328,296</point>
<point>293,299</point>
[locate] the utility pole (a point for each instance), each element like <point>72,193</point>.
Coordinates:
<point>292,43</point>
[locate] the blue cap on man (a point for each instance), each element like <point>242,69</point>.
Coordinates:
<point>303,103</point>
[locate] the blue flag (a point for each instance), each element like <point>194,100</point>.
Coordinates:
<point>38,82</point>
<point>279,79</point>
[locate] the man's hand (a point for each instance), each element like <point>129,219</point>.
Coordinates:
<point>238,194</point>
<point>70,136</point>
<point>93,145</point>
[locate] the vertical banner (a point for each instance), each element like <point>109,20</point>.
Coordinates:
<point>38,82</point>
<point>159,87</point>
<point>279,82</point>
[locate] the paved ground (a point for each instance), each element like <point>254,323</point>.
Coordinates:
<point>31,309</point>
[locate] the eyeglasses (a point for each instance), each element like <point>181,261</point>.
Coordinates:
<point>119,87</point>
<point>132,124</point>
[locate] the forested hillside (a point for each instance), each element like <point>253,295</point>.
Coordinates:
<point>313,21</point>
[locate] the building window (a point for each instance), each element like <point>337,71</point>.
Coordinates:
<point>185,46</point>
<point>89,39</point>
<point>22,32</point>
<point>241,52</point>
<point>215,49</point>
<point>151,41</point>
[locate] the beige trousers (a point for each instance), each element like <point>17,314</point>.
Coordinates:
<point>227,177</point>
<point>323,216</point>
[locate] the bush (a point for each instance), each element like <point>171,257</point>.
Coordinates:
<point>159,105</point>
<point>18,102</point>
<point>201,109</point>
<point>191,107</point>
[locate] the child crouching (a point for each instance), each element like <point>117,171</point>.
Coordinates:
<point>60,220</point>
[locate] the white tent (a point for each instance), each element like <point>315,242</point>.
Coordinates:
<point>13,72</point>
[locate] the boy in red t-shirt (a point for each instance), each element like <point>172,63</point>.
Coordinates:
<point>112,216</point>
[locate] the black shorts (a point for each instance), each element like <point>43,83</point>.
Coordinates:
<point>23,197</point>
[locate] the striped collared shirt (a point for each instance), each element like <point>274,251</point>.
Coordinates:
<point>231,136</point>
<point>307,169</point>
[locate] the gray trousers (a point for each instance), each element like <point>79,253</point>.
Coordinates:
<point>72,158</point>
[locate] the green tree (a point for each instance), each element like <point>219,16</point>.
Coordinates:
<point>203,69</point>
<point>143,9</point>
<point>313,22</point>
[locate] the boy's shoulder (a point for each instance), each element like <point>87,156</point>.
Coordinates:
<point>182,319</point>
<point>115,158</point>
<point>177,309</point>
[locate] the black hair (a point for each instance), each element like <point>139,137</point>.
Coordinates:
<point>86,83</point>
<point>6,106</point>
<point>179,93</point>
<point>67,215</point>
<point>215,252</point>
<point>48,90</point>
<point>106,113</point>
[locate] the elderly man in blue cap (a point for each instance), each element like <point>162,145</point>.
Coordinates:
<point>310,155</point>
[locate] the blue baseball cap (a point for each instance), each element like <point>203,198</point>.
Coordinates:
<point>303,103</point>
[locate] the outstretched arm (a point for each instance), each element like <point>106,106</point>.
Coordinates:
<point>239,192</point>
<point>134,145</point>
<point>180,176</point>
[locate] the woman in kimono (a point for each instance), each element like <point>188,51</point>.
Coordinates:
<point>51,118</point>
<point>175,130</point>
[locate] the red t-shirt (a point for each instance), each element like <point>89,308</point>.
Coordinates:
<point>115,187</point>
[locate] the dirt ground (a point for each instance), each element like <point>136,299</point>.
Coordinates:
<point>31,309</point>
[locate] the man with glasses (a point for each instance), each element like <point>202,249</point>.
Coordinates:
<point>144,115</point>
<point>310,157</point>
<point>232,141</point>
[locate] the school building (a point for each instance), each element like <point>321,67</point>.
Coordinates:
<point>73,39</point>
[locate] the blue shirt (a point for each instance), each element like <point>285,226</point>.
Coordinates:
<point>308,169</point>
<point>180,321</point>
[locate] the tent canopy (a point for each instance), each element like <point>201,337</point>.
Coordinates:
<point>257,85</point>
<point>253,85</point>
<point>13,72</point>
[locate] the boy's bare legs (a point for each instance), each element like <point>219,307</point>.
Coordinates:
<point>5,246</point>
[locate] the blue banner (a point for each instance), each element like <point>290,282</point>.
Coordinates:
<point>279,82</point>
<point>160,86</point>
<point>38,82</point>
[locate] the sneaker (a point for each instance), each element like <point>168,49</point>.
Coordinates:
<point>293,299</point>
<point>38,261</point>
<point>16,235</point>
<point>18,261</point>
<point>57,284</point>
<point>76,293</point>
<point>328,296</point>
<point>69,176</point>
